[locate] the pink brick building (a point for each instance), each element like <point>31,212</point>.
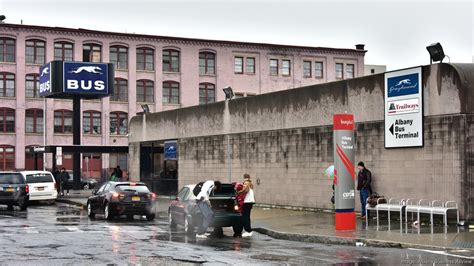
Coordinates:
<point>163,72</point>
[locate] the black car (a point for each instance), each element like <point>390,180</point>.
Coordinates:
<point>122,198</point>
<point>14,190</point>
<point>224,205</point>
<point>86,183</point>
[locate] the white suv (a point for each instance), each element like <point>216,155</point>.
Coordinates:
<point>42,185</point>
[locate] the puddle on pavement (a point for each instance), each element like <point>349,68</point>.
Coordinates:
<point>270,257</point>
<point>14,213</point>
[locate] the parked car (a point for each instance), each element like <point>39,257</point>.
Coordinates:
<point>86,183</point>
<point>122,198</point>
<point>14,190</point>
<point>42,185</point>
<point>224,205</point>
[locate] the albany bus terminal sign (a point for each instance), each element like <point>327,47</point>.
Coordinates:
<point>60,79</point>
<point>403,108</point>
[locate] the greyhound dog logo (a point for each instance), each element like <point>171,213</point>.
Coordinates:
<point>404,82</point>
<point>45,71</point>
<point>90,69</point>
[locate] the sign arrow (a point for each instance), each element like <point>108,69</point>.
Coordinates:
<point>391,129</point>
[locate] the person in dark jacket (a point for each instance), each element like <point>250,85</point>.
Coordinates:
<point>364,178</point>
<point>56,175</point>
<point>64,176</point>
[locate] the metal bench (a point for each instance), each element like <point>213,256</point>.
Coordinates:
<point>414,207</point>
<point>393,205</point>
<point>443,209</point>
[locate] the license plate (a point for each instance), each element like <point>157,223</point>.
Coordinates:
<point>10,189</point>
<point>135,198</point>
<point>40,188</point>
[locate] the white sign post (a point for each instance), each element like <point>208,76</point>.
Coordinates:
<point>59,156</point>
<point>403,108</point>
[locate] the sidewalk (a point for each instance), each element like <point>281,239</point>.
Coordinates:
<point>318,227</point>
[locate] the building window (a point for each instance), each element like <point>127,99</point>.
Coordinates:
<point>238,65</point>
<point>339,73</point>
<point>145,91</point>
<point>372,71</point>
<point>7,50</point>
<point>7,85</point>
<point>145,59</point>
<point>120,91</point>
<point>34,121</point>
<point>318,67</point>
<point>92,53</point>
<point>170,61</point>
<point>274,67</point>
<point>119,57</point>
<point>32,86</point>
<point>307,69</point>
<point>63,51</point>
<point>118,123</point>
<point>63,121</point>
<point>120,159</point>
<point>7,120</point>
<point>350,71</point>
<point>91,122</point>
<point>207,63</point>
<point>250,65</point>
<point>171,92</point>
<point>285,67</point>
<point>207,93</point>
<point>35,52</point>
<point>7,157</point>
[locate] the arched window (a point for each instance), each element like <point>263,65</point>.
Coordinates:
<point>63,121</point>
<point>120,91</point>
<point>32,86</point>
<point>145,91</point>
<point>171,92</point>
<point>34,121</point>
<point>35,52</point>
<point>92,52</point>
<point>7,50</point>
<point>7,84</point>
<point>63,51</point>
<point>7,120</point>
<point>145,59</point>
<point>119,56</point>
<point>170,60</point>
<point>207,93</point>
<point>91,122</point>
<point>207,63</point>
<point>7,157</point>
<point>118,123</point>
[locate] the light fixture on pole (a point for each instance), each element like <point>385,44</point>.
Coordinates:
<point>436,52</point>
<point>146,108</point>
<point>229,93</point>
<point>2,18</point>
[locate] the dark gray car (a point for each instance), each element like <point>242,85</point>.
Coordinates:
<point>13,190</point>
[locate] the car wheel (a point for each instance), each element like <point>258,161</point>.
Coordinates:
<point>150,217</point>
<point>23,204</point>
<point>218,232</point>
<point>90,213</point>
<point>171,221</point>
<point>85,187</point>
<point>108,212</point>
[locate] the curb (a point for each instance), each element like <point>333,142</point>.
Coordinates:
<point>72,202</point>
<point>333,240</point>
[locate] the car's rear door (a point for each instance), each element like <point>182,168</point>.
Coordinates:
<point>40,184</point>
<point>177,207</point>
<point>12,186</point>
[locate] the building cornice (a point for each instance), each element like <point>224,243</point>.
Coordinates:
<point>116,36</point>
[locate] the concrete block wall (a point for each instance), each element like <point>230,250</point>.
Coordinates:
<point>289,163</point>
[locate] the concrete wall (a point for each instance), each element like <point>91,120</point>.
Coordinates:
<point>284,140</point>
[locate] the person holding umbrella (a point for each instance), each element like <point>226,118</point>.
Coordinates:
<point>329,172</point>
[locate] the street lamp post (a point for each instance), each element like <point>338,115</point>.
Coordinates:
<point>229,94</point>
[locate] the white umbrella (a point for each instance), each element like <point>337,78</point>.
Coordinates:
<point>329,172</point>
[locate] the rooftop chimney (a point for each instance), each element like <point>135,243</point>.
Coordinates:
<point>360,46</point>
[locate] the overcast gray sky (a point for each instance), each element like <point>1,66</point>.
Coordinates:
<point>395,32</point>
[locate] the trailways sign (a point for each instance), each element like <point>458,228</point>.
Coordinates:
<point>403,109</point>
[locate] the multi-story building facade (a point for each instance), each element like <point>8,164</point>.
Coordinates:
<point>162,72</point>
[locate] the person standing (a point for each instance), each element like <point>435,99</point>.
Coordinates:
<point>204,206</point>
<point>57,179</point>
<point>249,201</point>
<point>119,173</point>
<point>364,178</point>
<point>64,176</point>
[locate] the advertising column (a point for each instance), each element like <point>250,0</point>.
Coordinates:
<point>344,172</point>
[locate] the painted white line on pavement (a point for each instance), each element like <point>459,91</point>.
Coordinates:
<point>442,253</point>
<point>73,228</point>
